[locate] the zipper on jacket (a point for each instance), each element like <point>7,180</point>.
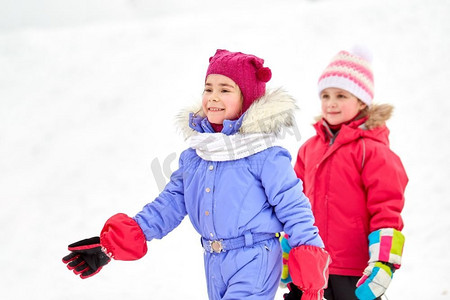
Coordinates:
<point>332,135</point>
<point>332,140</point>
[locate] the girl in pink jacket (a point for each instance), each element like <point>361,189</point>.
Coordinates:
<point>354,181</point>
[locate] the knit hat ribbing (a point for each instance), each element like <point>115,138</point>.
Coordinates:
<point>246,70</point>
<point>350,71</point>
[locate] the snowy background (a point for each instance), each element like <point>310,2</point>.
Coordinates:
<point>89,90</point>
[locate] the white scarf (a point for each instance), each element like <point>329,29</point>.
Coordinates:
<point>221,147</point>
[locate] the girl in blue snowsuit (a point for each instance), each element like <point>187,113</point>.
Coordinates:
<point>238,188</point>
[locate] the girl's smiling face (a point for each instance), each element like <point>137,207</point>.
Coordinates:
<point>222,99</point>
<point>339,106</point>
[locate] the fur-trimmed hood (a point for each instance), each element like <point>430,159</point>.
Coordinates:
<point>269,114</point>
<point>378,114</point>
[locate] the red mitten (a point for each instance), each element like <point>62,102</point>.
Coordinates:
<point>123,239</point>
<point>308,266</point>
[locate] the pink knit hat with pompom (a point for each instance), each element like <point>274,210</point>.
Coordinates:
<point>350,71</point>
<point>246,70</point>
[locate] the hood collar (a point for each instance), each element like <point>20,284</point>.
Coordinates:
<point>376,116</point>
<point>370,125</point>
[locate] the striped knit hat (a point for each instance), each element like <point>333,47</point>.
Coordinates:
<point>350,71</point>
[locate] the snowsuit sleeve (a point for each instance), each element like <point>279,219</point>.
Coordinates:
<point>167,211</point>
<point>124,238</point>
<point>385,180</point>
<point>285,193</point>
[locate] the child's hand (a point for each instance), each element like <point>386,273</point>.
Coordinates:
<point>385,249</point>
<point>86,258</point>
<point>285,277</point>
<point>308,267</point>
<point>376,279</point>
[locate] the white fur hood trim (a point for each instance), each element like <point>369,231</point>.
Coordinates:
<point>269,114</point>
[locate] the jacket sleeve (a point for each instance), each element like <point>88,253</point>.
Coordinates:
<point>299,166</point>
<point>385,181</point>
<point>284,192</point>
<point>167,211</point>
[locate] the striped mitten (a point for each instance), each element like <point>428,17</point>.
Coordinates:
<point>285,277</point>
<point>385,249</point>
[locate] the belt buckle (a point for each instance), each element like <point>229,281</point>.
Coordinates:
<point>216,246</point>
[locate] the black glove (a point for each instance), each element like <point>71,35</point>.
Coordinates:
<point>294,292</point>
<point>87,257</point>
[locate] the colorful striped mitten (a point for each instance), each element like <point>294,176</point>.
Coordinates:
<point>385,250</point>
<point>285,277</point>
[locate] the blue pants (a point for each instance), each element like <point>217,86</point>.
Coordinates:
<point>246,273</point>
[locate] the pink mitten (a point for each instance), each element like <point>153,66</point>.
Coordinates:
<point>308,267</point>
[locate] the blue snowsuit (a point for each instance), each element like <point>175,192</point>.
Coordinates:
<point>259,193</point>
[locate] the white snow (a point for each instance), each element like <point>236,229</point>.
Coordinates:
<point>89,91</point>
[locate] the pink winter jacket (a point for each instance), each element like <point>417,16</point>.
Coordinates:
<point>355,184</point>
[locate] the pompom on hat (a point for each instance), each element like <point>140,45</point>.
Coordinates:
<point>350,71</point>
<point>246,70</point>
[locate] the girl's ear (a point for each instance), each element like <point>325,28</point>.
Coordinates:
<point>362,105</point>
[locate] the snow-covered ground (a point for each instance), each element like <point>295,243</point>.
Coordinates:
<point>88,95</point>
